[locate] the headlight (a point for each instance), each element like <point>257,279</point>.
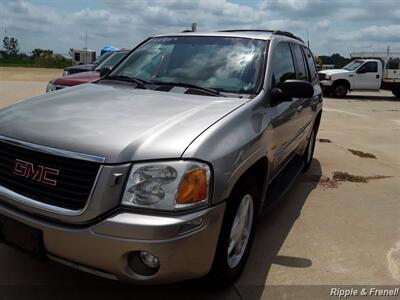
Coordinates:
<point>50,87</point>
<point>172,185</point>
<point>327,77</point>
<point>65,73</point>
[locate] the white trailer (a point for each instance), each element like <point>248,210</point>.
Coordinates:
<point>83,56</point>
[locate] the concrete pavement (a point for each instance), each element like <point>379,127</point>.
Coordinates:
<point>324,232</point>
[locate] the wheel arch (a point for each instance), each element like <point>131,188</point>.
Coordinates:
<point>317,121</point>
<point>259,171</point>
<point>342,81</point>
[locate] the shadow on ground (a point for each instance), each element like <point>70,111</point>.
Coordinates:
<point>21,277</point>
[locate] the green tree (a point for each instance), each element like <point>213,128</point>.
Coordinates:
<point>11,46</point>
<point>41,52</point>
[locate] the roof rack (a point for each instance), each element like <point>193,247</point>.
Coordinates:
<point>278,32</point>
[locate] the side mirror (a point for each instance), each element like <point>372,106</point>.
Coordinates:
<point>292,88</point>
<point>104,71</point>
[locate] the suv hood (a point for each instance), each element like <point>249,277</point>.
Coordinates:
<point>117,122</point>
<point>334,71</point>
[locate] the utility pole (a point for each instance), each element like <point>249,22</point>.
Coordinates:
<point>308,42</point>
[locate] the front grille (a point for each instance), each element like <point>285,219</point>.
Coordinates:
<point>75,179</point>
<point>321,76</point>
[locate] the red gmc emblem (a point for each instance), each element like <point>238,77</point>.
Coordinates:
<point>40,173</point>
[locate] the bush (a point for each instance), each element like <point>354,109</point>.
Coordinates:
<point>44,60</point>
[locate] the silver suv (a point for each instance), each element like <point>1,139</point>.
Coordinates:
<point>156,172</point>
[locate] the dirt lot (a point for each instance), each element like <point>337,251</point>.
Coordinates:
<point>338,225</point>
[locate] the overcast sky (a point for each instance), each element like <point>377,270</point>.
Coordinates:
<point>334,26</point>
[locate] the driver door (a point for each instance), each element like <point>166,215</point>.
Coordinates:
<point>367,77</point>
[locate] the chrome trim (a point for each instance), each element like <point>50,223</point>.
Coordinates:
<point>53,151</point>
<point>10,194</point>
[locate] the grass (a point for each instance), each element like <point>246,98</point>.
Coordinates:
<point>38,62</point>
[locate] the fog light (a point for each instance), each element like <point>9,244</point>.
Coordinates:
<point>143,263</point>
<point>149,260</point>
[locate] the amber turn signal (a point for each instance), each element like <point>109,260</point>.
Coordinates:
<point>193,187</point>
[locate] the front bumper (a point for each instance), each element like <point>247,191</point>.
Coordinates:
<point>326,85</point>
<point>185,251</point>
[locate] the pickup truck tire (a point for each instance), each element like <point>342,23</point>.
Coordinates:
<point>396,93</point>
<point>339,90</point>
<point>309,152</point>
<point>236,234</point>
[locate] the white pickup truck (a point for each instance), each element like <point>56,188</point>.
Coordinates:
<point>370,71</point>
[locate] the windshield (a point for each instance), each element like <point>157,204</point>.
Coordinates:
<point>102,58</point>
<point>351,66</point>
<point>111,61</point>
<point>224,64</point>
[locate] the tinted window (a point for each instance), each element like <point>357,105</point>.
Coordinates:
<point>226,64</point>
<point>283,67</point>
<point>370,67</point>
<point>311,64</point>
<point>301,68</point>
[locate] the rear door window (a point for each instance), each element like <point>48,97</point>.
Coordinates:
<point>301,67</point>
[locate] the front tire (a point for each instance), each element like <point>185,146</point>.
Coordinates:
<point>339,90</point>
<point>236,234</point>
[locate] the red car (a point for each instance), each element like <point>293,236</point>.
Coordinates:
<point>85,77</point>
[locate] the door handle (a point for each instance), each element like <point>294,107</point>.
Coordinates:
<point>351,75</point>
<point>377,76</point>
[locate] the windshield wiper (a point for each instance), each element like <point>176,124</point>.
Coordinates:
<point>189,85</point>
<point>139,82</point>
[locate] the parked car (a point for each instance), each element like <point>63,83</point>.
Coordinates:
<point>380,71</point>
<point>157,172</point>
<point>86,67</point>
<point>85,77</point>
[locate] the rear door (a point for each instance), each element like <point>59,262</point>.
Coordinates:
<point>312,103</point>
<point>283,113</point>
<point>367,76</point>
<point>303,104</point>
